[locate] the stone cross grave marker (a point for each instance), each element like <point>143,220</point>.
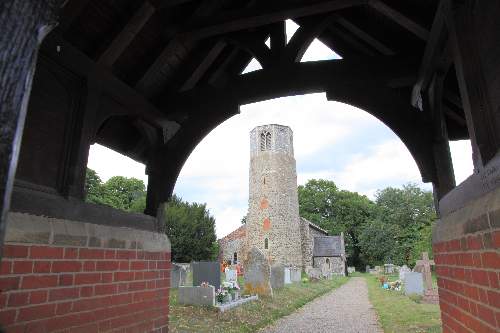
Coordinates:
<point>424,266</point>
<point>206,271</point>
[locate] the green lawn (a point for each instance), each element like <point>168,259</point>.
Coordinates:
<point>398,314</point>
<point>251,316</point>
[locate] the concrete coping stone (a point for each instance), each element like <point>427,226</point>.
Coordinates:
<point>227,306</point>
<point>43,230</point>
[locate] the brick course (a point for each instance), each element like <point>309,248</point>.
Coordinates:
<point>468,268</point>
<point>132,297</point>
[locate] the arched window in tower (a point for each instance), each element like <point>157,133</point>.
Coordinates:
<point>265,141</point>
<point>266,243</point>
<point>235,258</point>
<point>328,262</point>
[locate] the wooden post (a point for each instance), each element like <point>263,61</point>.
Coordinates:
<point>24,24</point>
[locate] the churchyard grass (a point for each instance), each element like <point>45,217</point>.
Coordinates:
<point>398,313</point>
<point>251,316</point>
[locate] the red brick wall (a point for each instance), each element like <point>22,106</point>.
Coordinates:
<point>468,272</point>
<point>80,289</point>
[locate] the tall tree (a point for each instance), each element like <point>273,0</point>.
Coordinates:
<point>191,230</point>
<point>321,202</point>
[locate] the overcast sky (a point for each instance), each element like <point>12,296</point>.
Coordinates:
<point>332,141</point>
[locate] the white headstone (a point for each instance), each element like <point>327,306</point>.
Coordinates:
<point>402,272</point>
<point>288,278</point>
<point>414,283</point>
<point>351,270</point>
<point>231,274</point>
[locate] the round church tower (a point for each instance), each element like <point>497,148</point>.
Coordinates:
<point>273,214</point>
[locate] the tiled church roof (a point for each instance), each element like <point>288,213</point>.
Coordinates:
<point>327,246</point>
<point>237,234</point>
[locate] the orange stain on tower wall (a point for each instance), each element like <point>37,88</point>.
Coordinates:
<point>267,224</point>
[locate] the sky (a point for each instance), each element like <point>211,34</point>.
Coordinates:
<point>332,140</point>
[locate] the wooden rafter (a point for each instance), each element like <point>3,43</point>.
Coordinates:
<point>148,84</point>
<point>127,35</point>
<point>364,36</point>
<point>70,12</point>
<point>248,20</point>
<point>404,21</point>
<point>203,67</point>
<point>351,41</point>
<point>434,50</point>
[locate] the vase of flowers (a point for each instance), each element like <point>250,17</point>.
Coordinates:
<point>220,295</point>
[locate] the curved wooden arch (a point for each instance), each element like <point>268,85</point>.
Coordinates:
<point>364,85</point>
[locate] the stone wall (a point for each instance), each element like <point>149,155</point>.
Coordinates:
<point>306,241</point>
<point>273,200</point>
<point>466,245</point>
<point>234,242</point>
<point>336,265</point>
<point>60,275</point>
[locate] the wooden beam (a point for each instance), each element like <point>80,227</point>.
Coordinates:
<point>247,21</point>
<point>127,35</point>
<point>70,12</point>
<point>364,36</point>
<point>351,41</point>
<point>400,19</point>
<point>203,67</point>
<point>433,51</point>
<point>308,30</point>
<point>150,83</point>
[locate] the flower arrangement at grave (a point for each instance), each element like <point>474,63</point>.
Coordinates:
<point>220,295</point>
<point>204,284</point>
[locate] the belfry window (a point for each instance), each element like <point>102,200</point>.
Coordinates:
<point>235,258</point>
<point>265,141</point>
<point>266,243</point>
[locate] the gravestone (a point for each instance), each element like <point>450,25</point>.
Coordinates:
<point>424,266</point>
<point>326,272</point>
<point>288,275</point>
<point>277,277</point>
<point>257,274</point>
<point>206,271</point>
<point>295,274</point>
<point>231,275</point>
<point>197,295</point>
<point>402,272</point>
<point>388,268</point>
<point>379,269</point>
<point>367,268</point>
<point>314,273</point>
<point>177,276</point>
<point>414,283</point>
<point>351,270</point>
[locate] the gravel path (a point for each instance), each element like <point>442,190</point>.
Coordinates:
<point>346,309</point>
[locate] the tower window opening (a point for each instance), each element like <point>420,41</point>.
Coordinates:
<point>235,258</point>
<point>328,262</point>
<point>266,243</point>
<point>265,141</point>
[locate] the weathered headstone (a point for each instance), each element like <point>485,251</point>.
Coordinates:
<point>197,295</point>
<point>402,272</point>
<point>277,276</point>
<point>314,273</point>
<point>388,268</point>
<point>288,275</point>
<point>231,275</point>
<point>367,268</point>
<point>414,283</point>
<point>257,274</point>
<point>326,272</point>
<point>206,271</point>
<point>379,269</point>
<point>351,270</point>
<point>295,274</point>
<point>424,266</point>
<point>177,276</point>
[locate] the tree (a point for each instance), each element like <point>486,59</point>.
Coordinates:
<point>321,202</point>
<point>410,211</point>
<point>119,192</point>
<point>191,230</point>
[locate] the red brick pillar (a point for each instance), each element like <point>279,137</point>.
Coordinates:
<point>59,275</point>
<point>466,252</point>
